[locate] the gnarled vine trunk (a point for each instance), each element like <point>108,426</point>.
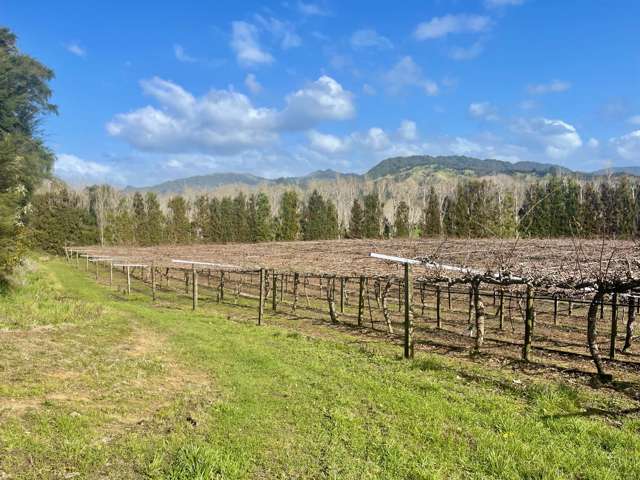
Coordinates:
<point>592,332</point>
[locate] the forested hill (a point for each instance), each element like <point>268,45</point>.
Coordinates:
<point>391,167</point>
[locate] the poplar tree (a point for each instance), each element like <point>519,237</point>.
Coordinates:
<point>401,220</point>
<point>431,215</point>
<point>372,216</point>
<point>178,225</point>
<point>139,219</point>
<point>154,220</point>
<point>356,222</point>
<point>288,216</point>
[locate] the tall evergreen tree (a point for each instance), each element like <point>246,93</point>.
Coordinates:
<point>154,220</point>
<point>240,219</point>
<point>201,218</point>
<point>227,223</point>
<point>288,216</point>
<point>178,225</point>
<point>356,221</point>
<point>401,221</point>
<point>431,215</point>
<point>260,220</point>
<point>372,216</point>
<point>139,219</point>
<point>24,160</point>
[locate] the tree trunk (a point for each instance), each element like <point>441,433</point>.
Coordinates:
<point>592,333</point>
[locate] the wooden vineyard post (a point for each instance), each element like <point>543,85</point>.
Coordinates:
<point>221,288</point>
<point>360,300</point>
<point>77,260</point>
<point>631,320</point>
<point>296,284</point>
<point>501,311</point>
<point>449,296</point>
<point>194,286</point>
<point>479,308</point>
<point>408,317</point>
<point>438,319</point>
<point>341,294</point>
<point>153,281</point>
<point>128,280</point>
<point>86,265</point>
<point>614,325</point>
<point>528,325</point>
<point>469,317</point>
<point>570,308</point>
<point>261,297</point>
<point>399,296</point>
<point>97,271</point>
<point>555,310</point>
<point>274,291</point>
<point>111,273</point>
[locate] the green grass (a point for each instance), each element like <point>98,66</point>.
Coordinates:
<point>94,385</point>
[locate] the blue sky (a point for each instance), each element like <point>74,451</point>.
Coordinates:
<point>150,91</point>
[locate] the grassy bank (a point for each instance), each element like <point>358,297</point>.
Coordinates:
<point>95,385</point>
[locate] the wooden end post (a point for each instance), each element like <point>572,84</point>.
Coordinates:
<point>274,291</point>
<point>631,320</point>
<point>153,281</point>
<point>479,311</point>
<point>614,325</point>
<point>194,286</point>
<point>555,310</point>
<point>128,280</point>
<point>501,311</point>
<point>438,315</point>
<point>528,325</point>
<point>408,317</point>
<point>342,294</point>
<point>111,273</point>
<point>221,293</point>
<point>360,300</point>
<point>261,297</point>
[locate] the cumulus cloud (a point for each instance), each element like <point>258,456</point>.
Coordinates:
<point>324,99</point>
<point>326,143</point>
<point>408,130</point>
<point>76,49</point>
<point>368,38</point>
<point>246,45</point>
<point>439,27</point>
<point>77,170</point>
<point>555,86</point>
<point>593,143</point>
<point>628,146</point>
<point>483,110</point>
<point>406,73</point>
<point>252,83</point>
<point>558,138</point>
<point>224,121</point>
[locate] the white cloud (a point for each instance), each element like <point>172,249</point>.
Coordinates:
<point>408,130</point>
<point>628,146</point>
<point>311,9</point>
<point>76,49</point>
<point>467,53</point>
<point>181,54</point>
<point>555,86</point>
<point>75,169</point>
<point>558,138</point>
<point>224,122</point>
<point>502,3</point>
<point>483,110</point>
<point>283,32</point>
<point>368,38</point>
<point>252,83</point>
<point>326,143</point>
<point>324,99</point>
<point>439,27</point>
<point>634,120</point>
<point>406,73</point>
<point>246,45</point>
<point>593,143</point>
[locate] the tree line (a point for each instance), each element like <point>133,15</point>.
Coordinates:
<point>551,207</point>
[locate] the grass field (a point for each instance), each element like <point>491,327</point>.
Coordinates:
<point>96,385</point>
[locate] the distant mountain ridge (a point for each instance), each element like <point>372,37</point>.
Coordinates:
<point>391,167</point>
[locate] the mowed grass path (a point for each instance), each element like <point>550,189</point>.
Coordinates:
<point>95,385</point>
